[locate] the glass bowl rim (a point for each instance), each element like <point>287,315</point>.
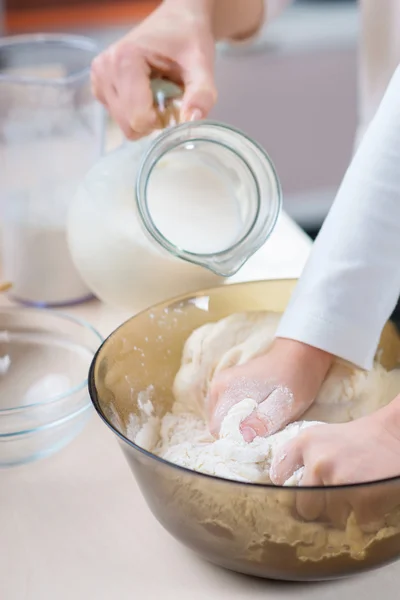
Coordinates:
<point>79,42</point>
<point>4,412</point>
<point>46,426</point>
<point>270,486</point>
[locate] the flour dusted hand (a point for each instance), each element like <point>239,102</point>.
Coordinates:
<point>182,436</point>
<point>367,449</point>
<point>238,358</point>
<point>284,382</point>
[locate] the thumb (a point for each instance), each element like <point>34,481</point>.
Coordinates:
<point>272,414</point>
<point>200,93</point>
<point>287,460</point>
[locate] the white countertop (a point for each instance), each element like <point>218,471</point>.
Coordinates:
<point>75,526</point>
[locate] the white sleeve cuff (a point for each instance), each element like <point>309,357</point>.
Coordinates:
<point>336,336</point>
<point>351,282</point>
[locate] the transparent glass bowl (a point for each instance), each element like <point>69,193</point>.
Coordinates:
<point>44,402</point>
<point>249,528</point>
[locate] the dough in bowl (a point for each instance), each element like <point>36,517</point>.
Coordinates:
<point>182,436</point>
<point>249,521</point>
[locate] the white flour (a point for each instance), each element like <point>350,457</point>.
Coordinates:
<point>182,437</point>
<point>185,441</point>
<point>40,174</point>
<point>37,261</point>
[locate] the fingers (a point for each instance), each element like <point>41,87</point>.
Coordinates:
<point>372,503</point>
<point>121,81</point>
<point>199,97</point>
<point>134,93</point>
<point>253,427</point>
<point>222,407</point>
<point>310,504</point>
<point>272,414</point>
<point>98,90</point>
<point>200,92</point>
<point>227,389</point>
<point>338,506</point>
<point>287,460</point>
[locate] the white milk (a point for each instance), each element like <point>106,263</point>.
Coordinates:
<point>36,259</point>
<point>117,259</point>
<point>193,205</point>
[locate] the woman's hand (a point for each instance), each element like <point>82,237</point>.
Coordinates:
<point>176,40</point>
<point>284,382</point>
<point>364,450</point>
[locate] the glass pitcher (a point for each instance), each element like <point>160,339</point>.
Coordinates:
<point>178,211</point>
<point>51,133</point>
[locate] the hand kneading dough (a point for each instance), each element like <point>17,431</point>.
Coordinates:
<point>182,436</point>
<point>247,522</point>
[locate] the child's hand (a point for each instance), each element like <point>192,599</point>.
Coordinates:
<point>284,382</point>
<point>364,450</point>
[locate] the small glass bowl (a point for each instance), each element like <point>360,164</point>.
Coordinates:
<point>44,402</point>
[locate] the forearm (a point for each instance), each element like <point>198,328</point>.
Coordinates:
<point>233,19</point>
<point>237,19</point>
<point>351,282</point>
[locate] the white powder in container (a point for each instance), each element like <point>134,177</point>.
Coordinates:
<point>38,263</point>
<point>41,177</point>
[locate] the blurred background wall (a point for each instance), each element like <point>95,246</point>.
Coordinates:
<point>295,90</point>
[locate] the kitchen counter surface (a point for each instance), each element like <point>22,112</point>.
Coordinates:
<point>75,526</point>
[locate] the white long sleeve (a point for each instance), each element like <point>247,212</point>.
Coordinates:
<point>351,282</point>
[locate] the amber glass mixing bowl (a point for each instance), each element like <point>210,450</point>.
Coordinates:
<point>249,528</point>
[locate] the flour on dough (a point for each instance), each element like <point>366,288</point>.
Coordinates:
<point>182,437</point>
<point>245,520</point>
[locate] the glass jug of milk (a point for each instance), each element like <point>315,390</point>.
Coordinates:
<point>176,212</point>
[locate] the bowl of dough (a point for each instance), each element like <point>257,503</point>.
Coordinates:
<point>148,382</point>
